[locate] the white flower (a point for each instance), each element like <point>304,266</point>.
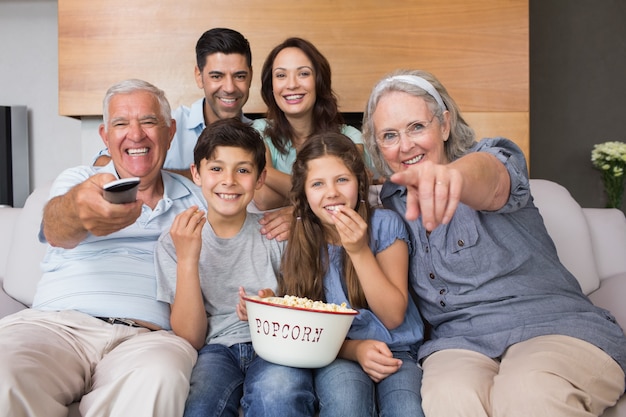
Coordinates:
<point>610,158</point>
<point>608,152</point>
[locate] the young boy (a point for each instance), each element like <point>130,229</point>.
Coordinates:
<point>203,261</point>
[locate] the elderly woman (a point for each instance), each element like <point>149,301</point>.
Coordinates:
<point>512,333</point>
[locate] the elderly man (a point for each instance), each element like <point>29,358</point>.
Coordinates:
<point>96,332</point>
<point>224,73</point>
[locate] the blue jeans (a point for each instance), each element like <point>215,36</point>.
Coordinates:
<point>344,389</point>
<point>399,393</point>
<point>226,377</point>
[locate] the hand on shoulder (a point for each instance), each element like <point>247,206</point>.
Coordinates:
<point>276,224</point>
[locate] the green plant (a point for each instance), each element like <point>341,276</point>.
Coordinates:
<point>610,159</point>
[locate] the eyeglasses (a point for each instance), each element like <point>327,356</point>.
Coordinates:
<point>390,138</point>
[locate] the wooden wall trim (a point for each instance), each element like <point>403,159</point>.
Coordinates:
<point>477,48</point>
<point>512,125</point>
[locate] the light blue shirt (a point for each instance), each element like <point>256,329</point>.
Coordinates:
<point>488,280</point>
<point>113,275</point>
<point>189,125</point>
<point>386,227</point>
<point>284,162</point>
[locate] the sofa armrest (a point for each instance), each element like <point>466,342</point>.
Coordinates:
<point>608,237</point>
<point>8,218</point>
<point>569,230</point>
<point>23,269</point>
<point>9,305</point>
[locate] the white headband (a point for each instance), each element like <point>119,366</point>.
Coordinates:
<point>416,81</point>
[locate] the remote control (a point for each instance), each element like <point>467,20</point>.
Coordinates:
<point>121,191</point>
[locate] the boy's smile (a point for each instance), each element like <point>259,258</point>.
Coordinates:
<point>228,180</point>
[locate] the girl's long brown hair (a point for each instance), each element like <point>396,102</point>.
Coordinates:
<point>305,261</point>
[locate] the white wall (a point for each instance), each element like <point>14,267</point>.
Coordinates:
<point>29,76</point>
<point>90,138</point>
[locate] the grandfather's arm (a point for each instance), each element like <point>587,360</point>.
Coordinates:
<point>68,218</point>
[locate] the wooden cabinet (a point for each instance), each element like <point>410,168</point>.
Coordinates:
<point>477,48</point>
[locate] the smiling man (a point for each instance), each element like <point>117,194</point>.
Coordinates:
<point>96,332</point>
<point>224,72</point>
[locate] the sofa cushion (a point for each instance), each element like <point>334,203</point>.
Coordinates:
<point>611,295</point>
<point>23,264</point>
<point>608,235</point>
<point>567,225</point>
<point>8,305</point>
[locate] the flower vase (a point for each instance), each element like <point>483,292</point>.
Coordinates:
<point>614,187</point>
<point>610,159</point>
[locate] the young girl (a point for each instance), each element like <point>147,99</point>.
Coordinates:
<point>341,250</point>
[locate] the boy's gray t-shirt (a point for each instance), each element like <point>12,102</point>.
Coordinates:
<point>249,260</point>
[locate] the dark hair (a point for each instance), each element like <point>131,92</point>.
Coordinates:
<point>326,115</point>
<point>305,261</point>
<point>226,41</point>
<point>234,133</point>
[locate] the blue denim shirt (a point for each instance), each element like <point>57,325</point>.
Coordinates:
<point>488,280</point>
<point>386,227</point>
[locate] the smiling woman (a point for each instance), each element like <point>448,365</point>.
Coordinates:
<point>463,199</point>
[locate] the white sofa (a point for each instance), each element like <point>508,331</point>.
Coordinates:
<point>590,242</point>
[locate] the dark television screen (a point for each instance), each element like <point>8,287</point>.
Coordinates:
<point>6,170</point>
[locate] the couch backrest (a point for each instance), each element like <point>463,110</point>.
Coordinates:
<point>563,216</point>
<point>567,225</point>
<point>608,234</point>
<point>23,264</point>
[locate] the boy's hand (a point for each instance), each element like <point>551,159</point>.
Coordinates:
<point>242,311</point>
<point>186,232</point>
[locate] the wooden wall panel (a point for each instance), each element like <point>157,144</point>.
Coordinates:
<point>478,48</point>
<point>513,126</point>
